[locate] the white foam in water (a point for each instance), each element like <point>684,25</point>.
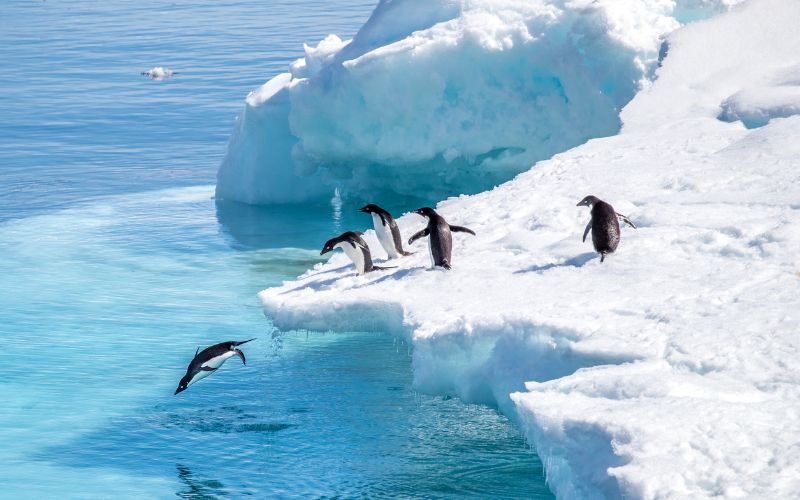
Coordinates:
<point>672,369</point>
<point>433,98</point>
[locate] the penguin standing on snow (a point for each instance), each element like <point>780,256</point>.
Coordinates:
<point>440,241</point>
<point>207,361</point>
<point>387,230</point>
<point>604,225</point>
<point>355,248</point>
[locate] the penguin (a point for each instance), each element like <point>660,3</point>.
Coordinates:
<point>604,225</point>
<point>355,248</point>
<point>207,361</point>
<point>387,230</point>
<point>440,241</point>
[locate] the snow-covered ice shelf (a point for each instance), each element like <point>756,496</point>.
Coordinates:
<point>439,97</point>
<point>670,371</point>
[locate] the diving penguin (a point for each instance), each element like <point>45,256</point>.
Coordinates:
<point>387,230</point>
<point>604,225</point>
<point>440,241</point>
<point>207,361</point>
<point>355,248</point>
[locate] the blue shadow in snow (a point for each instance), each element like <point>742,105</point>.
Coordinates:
<point>578,261</point>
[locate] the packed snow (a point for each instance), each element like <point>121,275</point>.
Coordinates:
<point>671,370</point>
<point>439,97</point>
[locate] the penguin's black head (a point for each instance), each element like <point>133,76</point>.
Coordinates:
<point>589,201</point>
<point>183,384</point>
<point>329,245</point>
<point>425,212</point>
<point>370,209</point>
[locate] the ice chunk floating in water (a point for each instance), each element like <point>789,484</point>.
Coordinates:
<point>433,98</point>
<point>159,73</point>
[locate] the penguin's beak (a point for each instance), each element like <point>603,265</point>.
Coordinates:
<point>418,211</point>
<point>324,251</point>
<point>363,209</point>
<point>179,390</point>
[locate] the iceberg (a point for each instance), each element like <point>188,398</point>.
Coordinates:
<point>672,369</point>
<point>439,97</point>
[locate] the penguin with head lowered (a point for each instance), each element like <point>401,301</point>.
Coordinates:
<point>440,241</point>
<point>207,361</point>
<point>354,247</point>
<point>604,225</point>
<point>387,231</point>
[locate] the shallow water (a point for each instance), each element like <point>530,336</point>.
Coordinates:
<point>107,288</point>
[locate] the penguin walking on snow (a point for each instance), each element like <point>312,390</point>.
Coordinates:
<point>440,241</point>
<point>604,225</point>
<point>355,248</point>
<point>207,361</point>
<point>387,231</point>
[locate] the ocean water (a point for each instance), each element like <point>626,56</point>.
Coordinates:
<point>117,263</point>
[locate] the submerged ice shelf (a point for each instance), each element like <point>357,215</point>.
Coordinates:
<point>669,371</point>
<point>434,98</point>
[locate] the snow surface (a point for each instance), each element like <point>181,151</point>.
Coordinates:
<point>439,97</point>
<point>671,370</point>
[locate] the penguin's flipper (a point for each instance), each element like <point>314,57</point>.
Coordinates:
<point>418,235</point>
<point>243,341</point>
<point>626,220</point>
<point>241,355</point>
<point>586,231</point>
<point>207,369</point>
<point>461,229</point>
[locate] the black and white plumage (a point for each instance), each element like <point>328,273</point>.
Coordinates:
<point>387,231</point>
<point>354,247</point>
<point>604,225</point>
<point>440,241</point>
<point>207,361</point>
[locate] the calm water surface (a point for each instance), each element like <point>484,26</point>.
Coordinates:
<point>117,264</point>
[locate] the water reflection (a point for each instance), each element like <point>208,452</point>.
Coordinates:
<point>198,489</point>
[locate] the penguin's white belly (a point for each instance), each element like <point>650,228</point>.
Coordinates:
<point>199,376</point>
<point>430,252</point>
<point>384,233</point>
<point>218,361</point>
<point>355,254</point>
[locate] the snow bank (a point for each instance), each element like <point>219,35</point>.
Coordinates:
<point>436,97</point>
<point>671,370</point>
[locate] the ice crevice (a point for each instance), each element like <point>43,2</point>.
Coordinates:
<point>672,370</point>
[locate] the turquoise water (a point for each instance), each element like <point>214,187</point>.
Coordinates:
<point>117,264</point>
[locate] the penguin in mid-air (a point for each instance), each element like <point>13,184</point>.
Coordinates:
<point>440,241</point>
<point>604,225</point>
<point>387,230</point>
<point>355,248</point>
<point>207,361</point>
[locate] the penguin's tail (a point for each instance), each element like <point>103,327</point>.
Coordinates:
<point>243,341</point>
<point>379,268</point>
<point>446,265</point>
<point>406,254</point>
